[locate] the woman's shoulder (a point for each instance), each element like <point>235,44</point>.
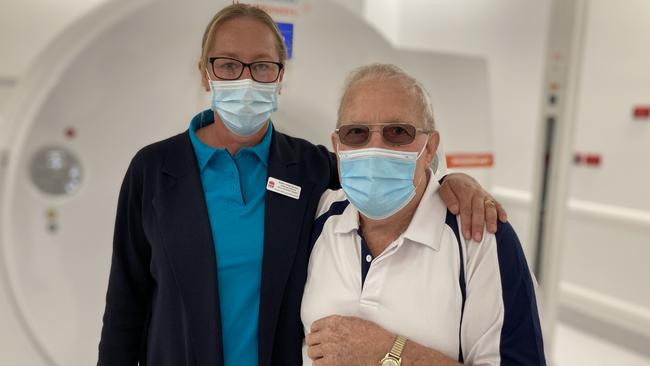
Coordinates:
<point>174,154</point>
<point>302,146</point>
<point>159,149</point>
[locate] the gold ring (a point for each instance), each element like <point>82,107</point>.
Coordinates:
<point>489,201</point>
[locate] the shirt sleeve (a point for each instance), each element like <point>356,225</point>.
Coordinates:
<point>500,323</point>
<point>130,284</point>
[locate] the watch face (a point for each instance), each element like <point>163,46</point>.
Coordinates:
<point>389,362</point>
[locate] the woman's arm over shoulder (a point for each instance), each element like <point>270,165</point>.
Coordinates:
<point>335,182</point>
<point>332,169</point>
<point>321,163</point>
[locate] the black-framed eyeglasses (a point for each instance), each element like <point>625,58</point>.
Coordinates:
<point>227,68</point>
<point>395,134</point>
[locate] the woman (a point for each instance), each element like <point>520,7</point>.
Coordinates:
<point>212,231</point>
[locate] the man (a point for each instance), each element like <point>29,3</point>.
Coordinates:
<point>213,225</point>
<point>390,281</point>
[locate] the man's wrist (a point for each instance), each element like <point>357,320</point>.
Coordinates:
<point>383,345</point>
<point>394,355</point>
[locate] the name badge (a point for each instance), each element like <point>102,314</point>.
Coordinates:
<point>283,188</point>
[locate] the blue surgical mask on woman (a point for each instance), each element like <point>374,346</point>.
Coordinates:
<point>378,182</point>
<point>244,105</point>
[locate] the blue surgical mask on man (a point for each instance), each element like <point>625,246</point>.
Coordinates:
<point>244,105</point>
<point>378,182</point>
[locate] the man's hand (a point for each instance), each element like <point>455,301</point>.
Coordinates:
<point>462,194</point>
<point>345,340</point>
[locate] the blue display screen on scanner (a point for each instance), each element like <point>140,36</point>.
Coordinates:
<point>287,32</point>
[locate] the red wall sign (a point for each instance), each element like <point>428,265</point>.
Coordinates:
<point>641,112</point>
<point>470,160</point>
<point>592,160</point>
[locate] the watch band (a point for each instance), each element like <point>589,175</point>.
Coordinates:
<point>398,347</point>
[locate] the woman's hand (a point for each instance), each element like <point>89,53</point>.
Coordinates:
<point>463,194</point>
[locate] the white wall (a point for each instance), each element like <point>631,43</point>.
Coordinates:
<point>16,344</point>
<point>6,86</point>
<point>26,29</point>
<point>615,76</point>
<point>607,243</point>
<point>28,26</point>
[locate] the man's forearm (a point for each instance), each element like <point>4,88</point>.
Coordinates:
<point>415,354</point>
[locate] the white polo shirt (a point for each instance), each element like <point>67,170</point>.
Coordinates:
<point>474,302</point>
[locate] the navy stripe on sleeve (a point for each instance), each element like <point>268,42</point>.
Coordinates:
<point>521,335</point>
<point>452,222</point>
<point>336,208</point>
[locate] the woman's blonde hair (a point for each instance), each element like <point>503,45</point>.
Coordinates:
<point>237,11</point>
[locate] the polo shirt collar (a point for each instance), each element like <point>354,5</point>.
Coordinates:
<point>429,219</point>
<point>204,152</point>
<point>426,225</point>
<point>262,149</point>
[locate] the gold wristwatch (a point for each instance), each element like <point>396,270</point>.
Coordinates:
<point>394,357</point>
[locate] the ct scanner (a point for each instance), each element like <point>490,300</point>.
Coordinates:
<point>125,76</point>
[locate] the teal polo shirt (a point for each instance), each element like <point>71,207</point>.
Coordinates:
<point>234,188</point>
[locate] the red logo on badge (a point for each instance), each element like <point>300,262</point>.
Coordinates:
<point>271,184</point>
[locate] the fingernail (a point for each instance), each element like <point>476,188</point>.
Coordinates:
<point>477,236</point>
<point>467,235</point>
<point>493,228</point>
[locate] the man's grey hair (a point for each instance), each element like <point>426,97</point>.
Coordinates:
<point>382,72</point>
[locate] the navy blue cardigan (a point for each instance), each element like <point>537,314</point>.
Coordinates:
<point>162,304</point>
